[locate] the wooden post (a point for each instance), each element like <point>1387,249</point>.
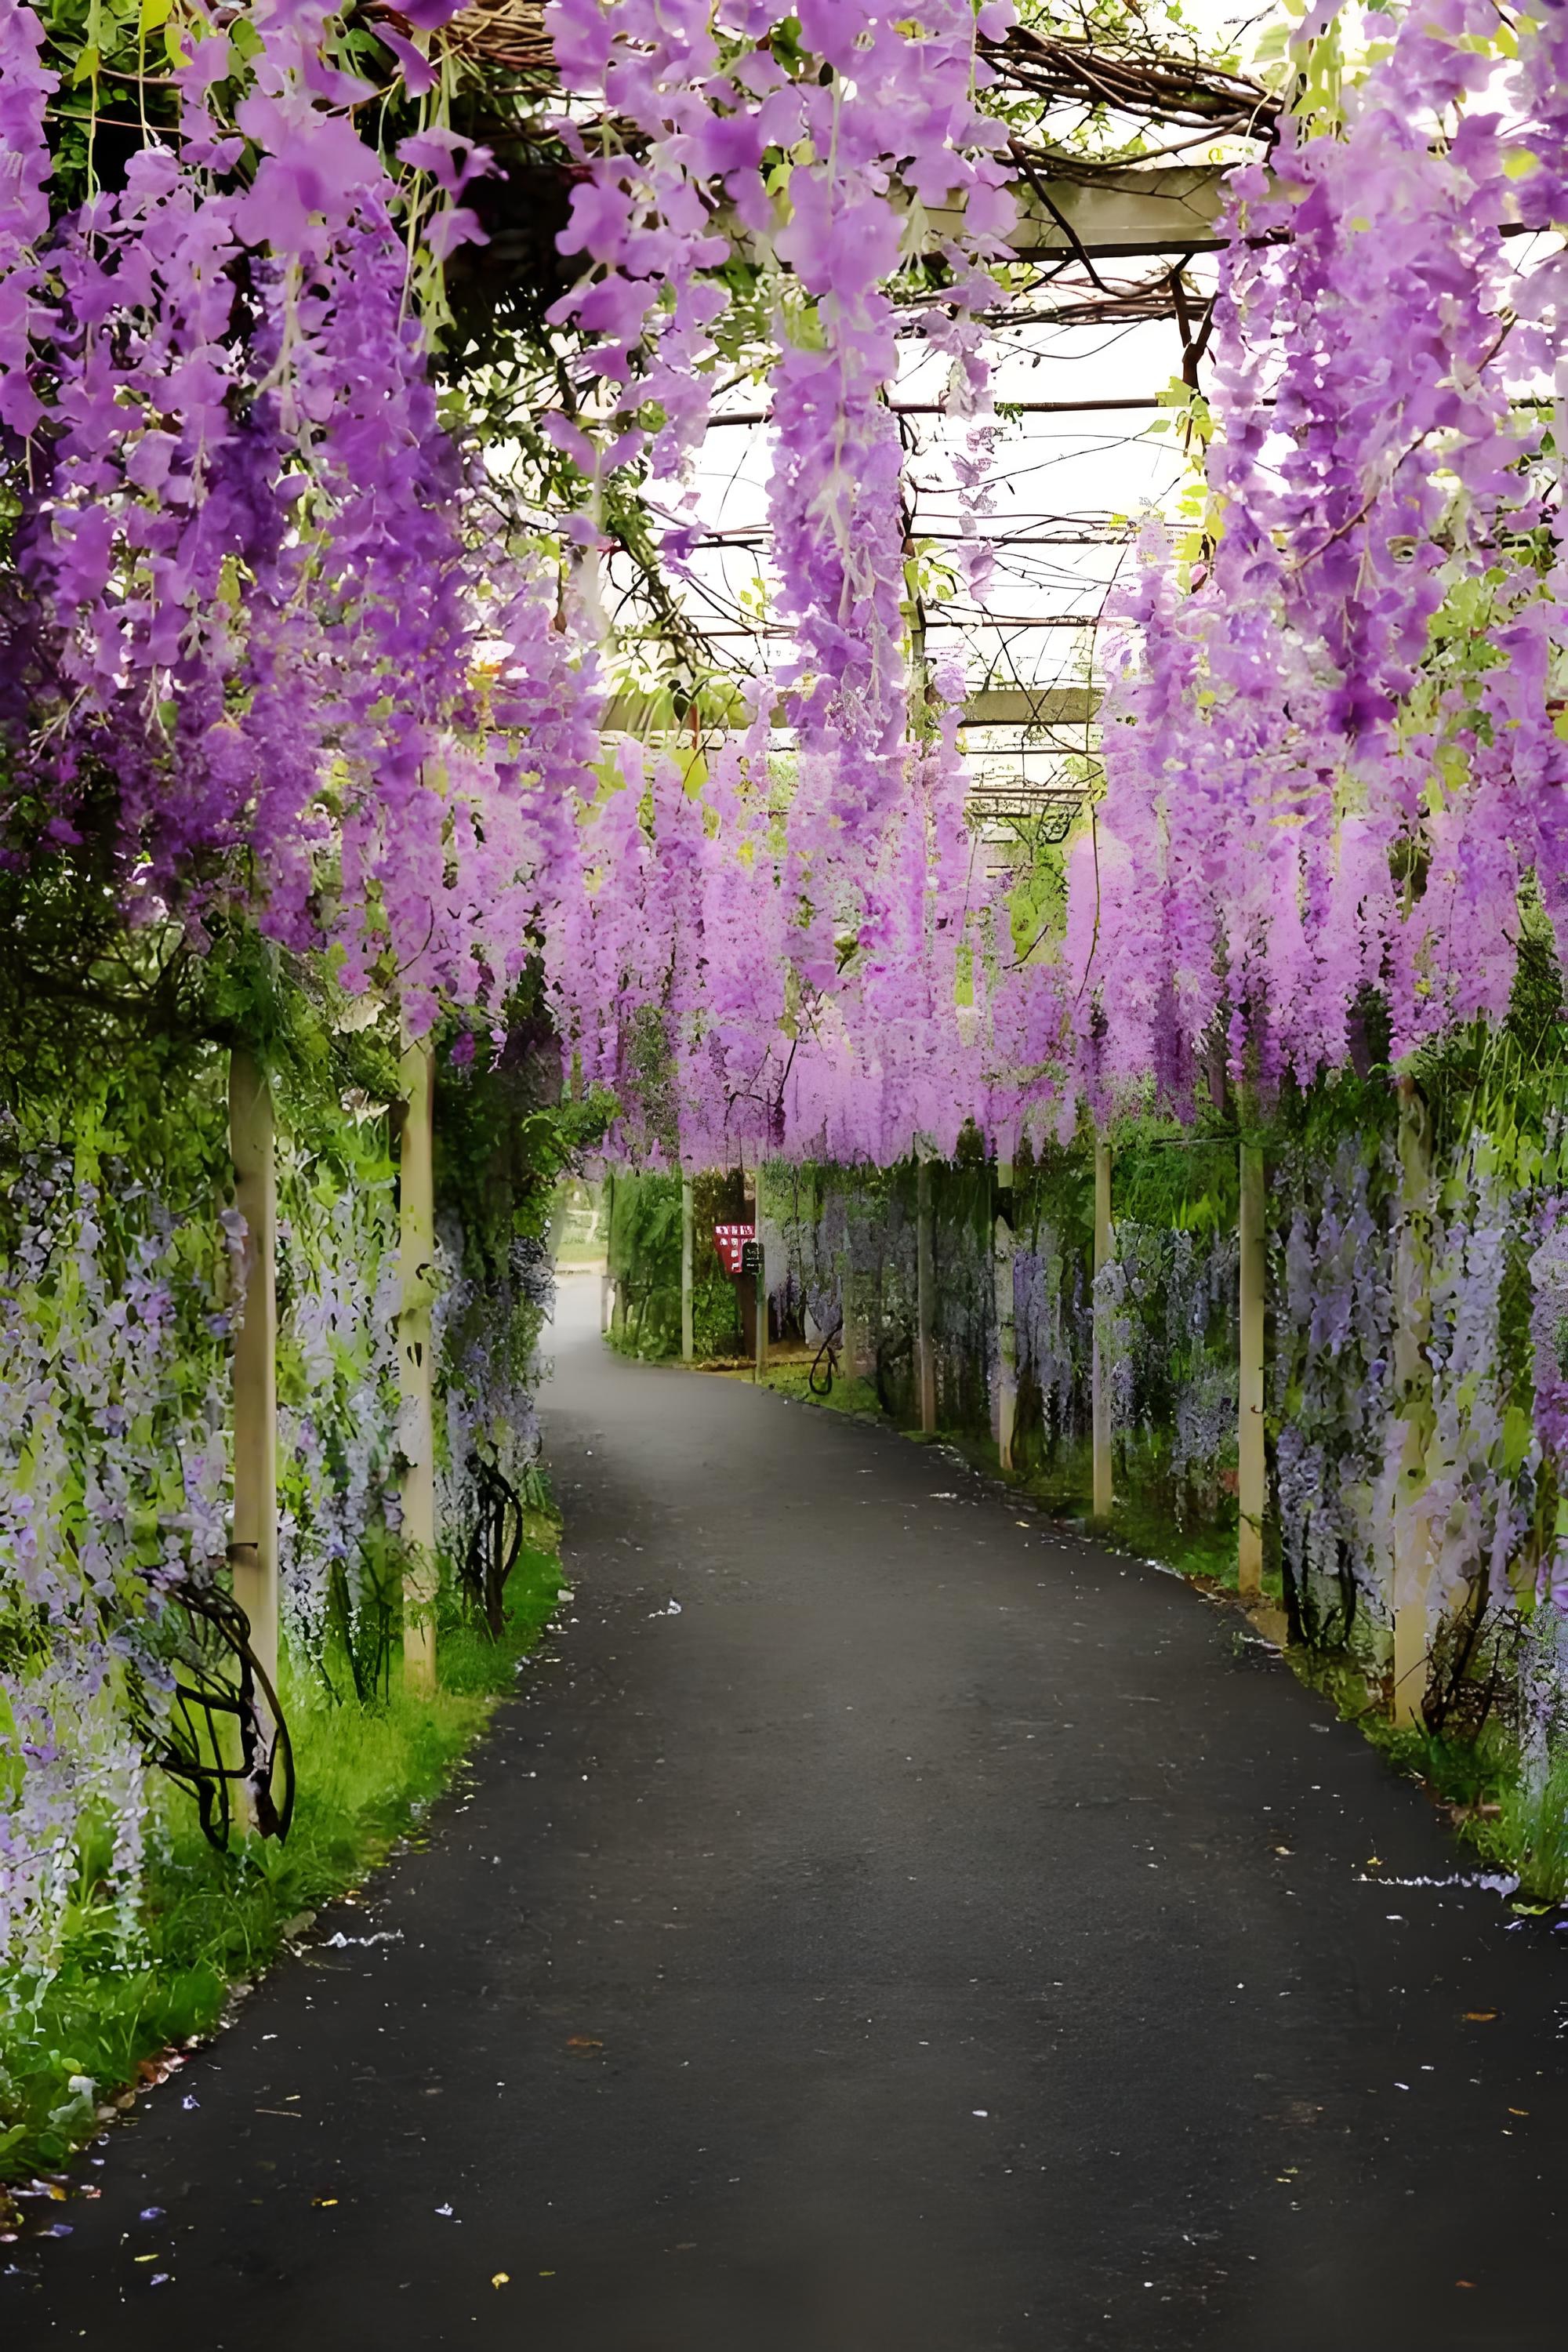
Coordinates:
<point>688,1238</point>
<point>1004,1254</point>
<point>1412,1388</point>
<point>254,1551</point>
<point>1099,1385</point>
<point>1252,1473</point>
<point>851,1344</point>
<point>925,1297</point>
<point>759,1310</point>
<point>760,1282</point>
<point>416,1422</point>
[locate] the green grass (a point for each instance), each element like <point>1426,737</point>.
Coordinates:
<point>1528,1833</point>
<point>1204,1549</point>
<point>575,1253</point>
<point>791,1378</point>
<point>211,1922</point>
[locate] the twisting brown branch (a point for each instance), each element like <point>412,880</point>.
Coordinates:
<point>1178,91</point>
<point>508,38</point>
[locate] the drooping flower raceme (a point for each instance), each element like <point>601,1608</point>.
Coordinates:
<point>244,650</point>
<point>807,145</point>
<point>1330,762</point>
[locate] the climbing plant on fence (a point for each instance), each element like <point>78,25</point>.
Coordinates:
<point>117,1293</point>
<point>338,1399</point>
<point>120,1294</point>
<point>1169,1320</point>
<point>1332,1392</point>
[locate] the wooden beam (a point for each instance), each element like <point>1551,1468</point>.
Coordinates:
<point>727,418</point>
<point>635,713</point>
<point>1116,215</point>
<point>1003,1265</point>
<point>1412,1562</point>
<point>760,1298</point>
<point>1032,706</point>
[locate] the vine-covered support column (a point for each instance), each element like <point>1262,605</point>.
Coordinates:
<point>687,1315</point>
<point>854,1340</point>
<point>254,1549</point>
<point>1252,1466</point>
<point>761,1278</point>
<point>417,1422</point>
<point>1099,1385</point>
<point>1413,1391</point>
<point>925,1297</point>
<point>1004,1246</point>
<point>862,1291</point>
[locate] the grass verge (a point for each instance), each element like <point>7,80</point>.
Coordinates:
<point>791,1376</point>
<point>75,2047</point>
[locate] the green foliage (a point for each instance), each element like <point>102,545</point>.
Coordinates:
<point>715,1322</point>
<point>645,1261</point>
<point>1038,902</point>
<point>858,1398</point>
<point>1056,1185</point>
<point>1528,1832</point>
<point>504,1136</point>
<point>133,1091</point>
<point>643,1255</point>
<point>1179,1180</point>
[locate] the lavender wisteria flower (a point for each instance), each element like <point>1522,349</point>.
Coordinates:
<point>247,609</point>
<point>1331,760</point>
<point>807,144</point>
<point>114,1318</point>
<point>339,1403</point>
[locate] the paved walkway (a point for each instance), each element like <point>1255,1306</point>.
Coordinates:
<point>883,1927</point>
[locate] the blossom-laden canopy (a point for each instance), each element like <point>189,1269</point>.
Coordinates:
<point>262,625</point>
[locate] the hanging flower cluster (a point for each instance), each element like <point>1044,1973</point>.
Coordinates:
<point>1330,762</point>
<point>256,638</point>
<point>805,146</point>
<point>702,986</point>
<point>1332,749</point>
<point>243,635</point>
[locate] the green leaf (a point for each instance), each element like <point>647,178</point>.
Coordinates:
<point>1518,1436</point>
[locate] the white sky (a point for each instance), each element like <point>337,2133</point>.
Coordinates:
<point>1074,478</point>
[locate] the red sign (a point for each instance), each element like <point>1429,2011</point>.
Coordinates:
<point>729,1241</point>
